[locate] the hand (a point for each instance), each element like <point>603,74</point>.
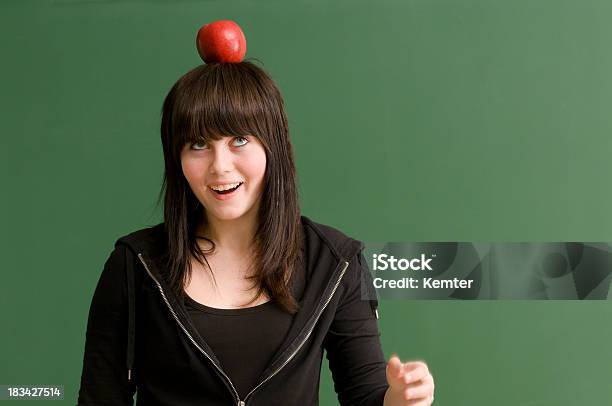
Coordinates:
<point>410,383</point>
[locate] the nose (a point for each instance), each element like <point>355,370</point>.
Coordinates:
<point>222,160</point>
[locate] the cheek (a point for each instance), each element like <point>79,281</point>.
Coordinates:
<point>257,166</point>
<point>192,169</point>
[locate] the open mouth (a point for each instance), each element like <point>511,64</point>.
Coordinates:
<point>228,191</point>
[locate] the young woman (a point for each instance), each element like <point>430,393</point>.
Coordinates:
<point>235,296</point>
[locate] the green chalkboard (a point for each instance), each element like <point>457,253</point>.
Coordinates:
<point>412,120</point>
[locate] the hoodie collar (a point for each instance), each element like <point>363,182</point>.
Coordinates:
<point>151,242</point>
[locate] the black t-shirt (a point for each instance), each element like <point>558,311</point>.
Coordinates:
<point>244,340</point>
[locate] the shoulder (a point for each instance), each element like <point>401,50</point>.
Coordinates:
<point>341,245</point>
<point>344,248</point>
<point>123,258</point>
<point>148,239</point>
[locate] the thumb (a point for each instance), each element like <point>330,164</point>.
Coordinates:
<point>395,370</point>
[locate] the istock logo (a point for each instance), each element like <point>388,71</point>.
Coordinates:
<point>383,262</point>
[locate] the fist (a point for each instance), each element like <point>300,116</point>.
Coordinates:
<point>410,383</point>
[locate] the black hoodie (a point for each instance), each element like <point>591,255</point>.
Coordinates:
<point>140,337</point>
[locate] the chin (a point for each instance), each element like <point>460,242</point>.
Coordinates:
<point>227,215</point>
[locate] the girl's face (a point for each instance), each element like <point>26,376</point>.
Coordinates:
<point>224,164</point>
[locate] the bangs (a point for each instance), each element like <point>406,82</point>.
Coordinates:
<point>213,101</point>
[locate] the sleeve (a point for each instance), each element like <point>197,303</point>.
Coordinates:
<point>352,344</point>
<point>104,379</point>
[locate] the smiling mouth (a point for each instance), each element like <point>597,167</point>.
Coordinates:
<point>225,192</point>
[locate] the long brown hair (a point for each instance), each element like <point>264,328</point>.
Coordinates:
<point>215,100</point>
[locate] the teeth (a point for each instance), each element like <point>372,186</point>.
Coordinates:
<point>225,187</point>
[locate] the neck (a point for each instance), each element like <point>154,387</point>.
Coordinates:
<point>235,235</point>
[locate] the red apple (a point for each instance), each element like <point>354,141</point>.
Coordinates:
<point>221,41</point>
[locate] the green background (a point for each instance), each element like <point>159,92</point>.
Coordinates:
<point>412,120</point>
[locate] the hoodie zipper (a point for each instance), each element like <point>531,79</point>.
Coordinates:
<point>346,264</point>
<point>239,402</point>
<point>243,402</point>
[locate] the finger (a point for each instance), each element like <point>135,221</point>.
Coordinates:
<point>429,379</point>
<point>416,364</point>
<point>418,402</point>
<point>414,372</point>
<point>418,391</point>
<point>395,369</point>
